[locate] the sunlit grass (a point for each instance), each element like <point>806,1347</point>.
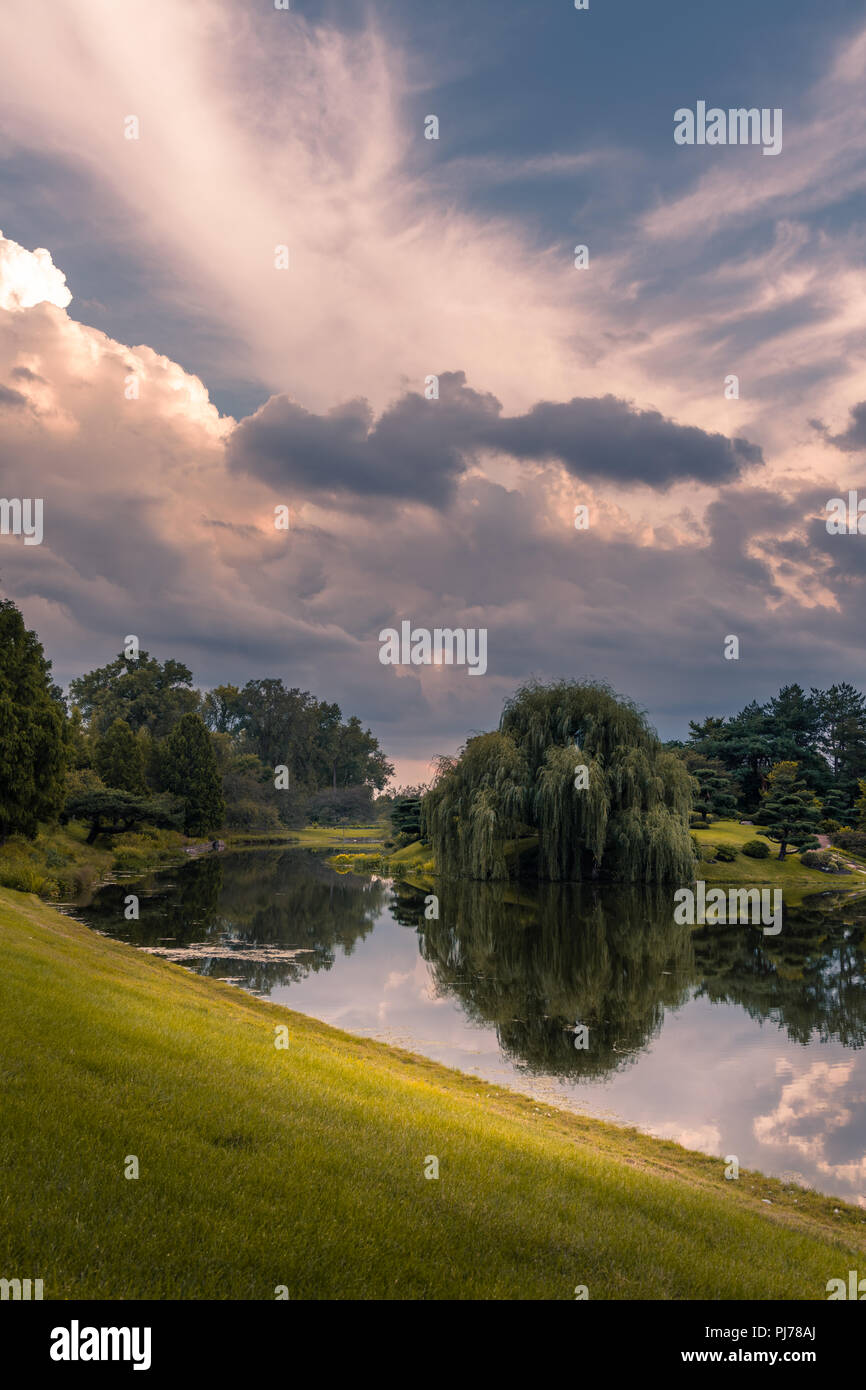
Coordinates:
<point>795,879</point>
<point>304,1167</point>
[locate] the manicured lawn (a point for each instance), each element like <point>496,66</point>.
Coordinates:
<point>330,837</point>
<point>305,1167</point>
<point>795,879</point>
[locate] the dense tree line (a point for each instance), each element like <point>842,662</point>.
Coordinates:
<point>822,732</point>
<point>136,743</point>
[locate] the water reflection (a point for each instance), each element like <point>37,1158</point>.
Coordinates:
<point>289,900</point>
<point>720,1037</point>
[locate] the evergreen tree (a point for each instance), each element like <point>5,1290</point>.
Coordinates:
<point>119,759</point>
<point>715,794</point>
<point>405,813</point>
<point>842,735</point>
<point>789,811</point>
<point>189,770</point>
<point>32,730</point>
<point>837,806</point>
<point>112,812</point>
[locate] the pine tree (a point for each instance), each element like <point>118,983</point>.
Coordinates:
<point>189,771</point>
<point>789,811</point>
<point>837,806</point>
<point>32,730</point>
<point>120,759</point>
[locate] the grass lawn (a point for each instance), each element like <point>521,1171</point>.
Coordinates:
<point>305,1167</point>
<point>796,881</point>
<point>330,837</point>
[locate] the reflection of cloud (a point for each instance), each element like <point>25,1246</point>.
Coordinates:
<point>705,1138</point>
<point>809,1109</point>
<point>397,978</point>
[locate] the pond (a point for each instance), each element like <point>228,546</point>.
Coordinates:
<point>721,1038</point>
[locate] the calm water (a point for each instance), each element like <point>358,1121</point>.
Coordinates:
<point>723,1039</point>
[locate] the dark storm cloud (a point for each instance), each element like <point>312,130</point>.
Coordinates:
<point>604,437</point>
<point>853,438</point>
<point>418,448</point>
<point>10,397</point>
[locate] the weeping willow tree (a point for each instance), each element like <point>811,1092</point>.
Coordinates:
<point>580,767</point>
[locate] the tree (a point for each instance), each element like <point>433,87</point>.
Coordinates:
<point>842,735</point>
<point>359,757</point>
<point>715,794</point>
<point>119,759</point>
<point>341,807</point>
<point>405,813</point>
<point>837,806</point>
<point>861,806</point>
<point>280,726</point>
<point>579,765</point>
<point>138,690</point>
<point>222,709</point>
<point>33,748</point>
<point>189,770</point>
<point>291,728</point>
<point>113,812</point>
<point>789,811</point>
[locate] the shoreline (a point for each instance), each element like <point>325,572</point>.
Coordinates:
<point>140,1056</point>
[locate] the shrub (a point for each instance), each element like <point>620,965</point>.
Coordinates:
<point>822,859</point>
<point>756,849</point>
<point>855,840</point>
<point>247,814</point>
<point>127,857</point>
<point>82,879</point>
<point>726,854</point>
<point>24,877</point>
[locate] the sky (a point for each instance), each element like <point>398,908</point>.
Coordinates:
<point>167,382</point>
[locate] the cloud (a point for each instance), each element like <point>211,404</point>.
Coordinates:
<point>419,448</point>
<point>416,449</point>
<point>153,527</point>
<point>853,439</point>
<point>30,277</point>
<point>10,397</point>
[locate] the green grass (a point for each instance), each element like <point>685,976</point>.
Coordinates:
<point>796,881</point>
<point>59,863</point>
<point>330,837</point>
<point>304,1167</point>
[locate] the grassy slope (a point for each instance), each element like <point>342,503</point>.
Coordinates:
<point>60,863</point>
<point>796,881</point>
<point>304,1167</point>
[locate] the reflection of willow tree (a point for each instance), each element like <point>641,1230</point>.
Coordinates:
<point>809,980</point>
<point>535,964</point>
<point>290,899</point>
<point>627,821</point>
